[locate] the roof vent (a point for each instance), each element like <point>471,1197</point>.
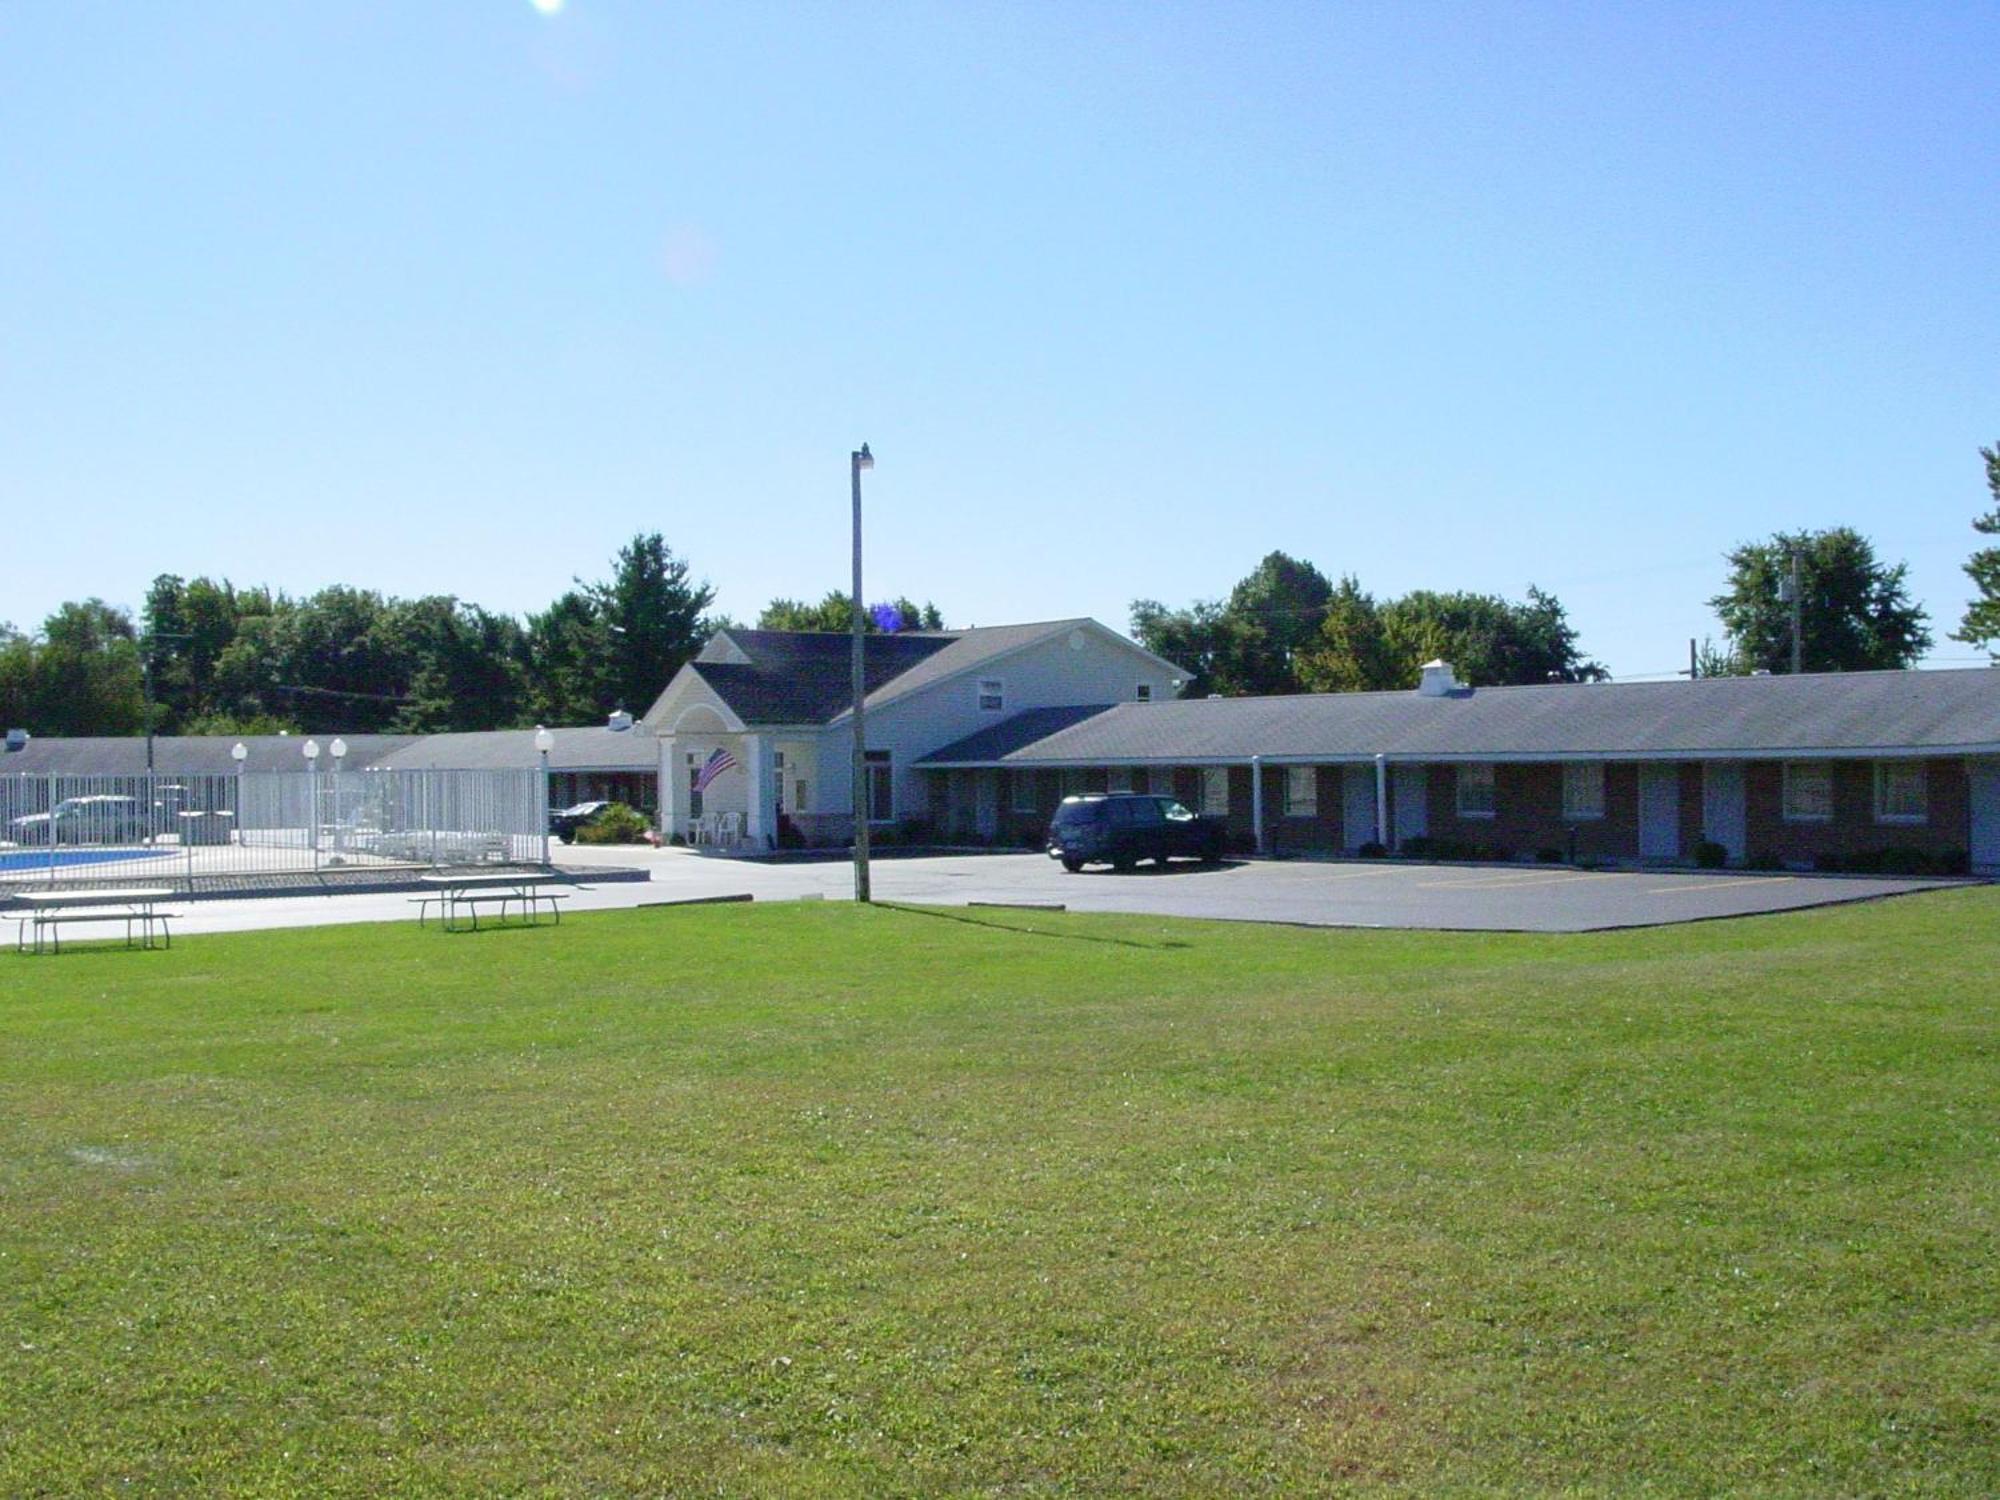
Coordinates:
<point>17,739</point>
<point>1438,681</point>
<point>620,721</point>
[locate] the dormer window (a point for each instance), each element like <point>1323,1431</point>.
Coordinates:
<point>992,695</point>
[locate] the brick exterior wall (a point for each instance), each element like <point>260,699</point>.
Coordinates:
<point>1853,828</point>
<point>1528,811</point>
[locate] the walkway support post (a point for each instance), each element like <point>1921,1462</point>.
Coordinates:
<point>1257,801</point>
<point>1382,801</point>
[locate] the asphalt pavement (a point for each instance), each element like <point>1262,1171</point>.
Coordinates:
<point>1359,893</point>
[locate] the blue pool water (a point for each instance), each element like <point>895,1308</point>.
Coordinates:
<point>28,859</point>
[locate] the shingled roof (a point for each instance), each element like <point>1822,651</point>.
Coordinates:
<point>1842,713</point>
<point>804,676</point>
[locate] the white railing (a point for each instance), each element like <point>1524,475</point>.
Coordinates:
<point>290,827</point>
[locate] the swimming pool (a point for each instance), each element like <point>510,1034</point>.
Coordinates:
<point>30,859</point>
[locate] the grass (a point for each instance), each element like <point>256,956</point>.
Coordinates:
<point>816,1200</point>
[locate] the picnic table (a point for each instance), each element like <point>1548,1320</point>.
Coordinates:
<point>49,911</point>
<point>458,894</point>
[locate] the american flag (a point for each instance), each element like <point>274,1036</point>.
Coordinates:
<point>717,762</point>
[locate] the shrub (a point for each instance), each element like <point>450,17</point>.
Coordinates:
<point>617,824</point>
<point>1709,855</point>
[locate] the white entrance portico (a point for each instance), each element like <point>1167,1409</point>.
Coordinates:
<point>734,800</point>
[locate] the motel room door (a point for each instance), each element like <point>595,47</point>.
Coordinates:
<point>1659,811</point>
<point>1984,779</point>
<point>1357,807</point>
<point>1722,815</point>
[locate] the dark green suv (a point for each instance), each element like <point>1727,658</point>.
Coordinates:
<point>1122,828</point>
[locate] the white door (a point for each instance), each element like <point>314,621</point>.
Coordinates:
<point>1659,811</point>
<point>1357,807</point>
<point>1412,817</point>
<point>986,795</point>
<point>1984,777</point>
<point>1722,807</point>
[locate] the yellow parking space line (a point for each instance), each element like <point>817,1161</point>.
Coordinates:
<point>1505,882</point>
<point>1703,885</point>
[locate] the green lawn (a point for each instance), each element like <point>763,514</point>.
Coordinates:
<point>817,1200</point>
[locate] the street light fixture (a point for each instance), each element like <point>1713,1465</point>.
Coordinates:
<point>239,752</point>
<point>310,750</point>
<point>544,743</point>
<point>860,459</point>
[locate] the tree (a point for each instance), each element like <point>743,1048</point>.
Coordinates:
<point>652,616</point>
<point>1981,625</point>
<point>1194,638</point>
<point>1856,613</point>
<point>835,612</point>
<point>79,676</point>
<point>1351,653</point>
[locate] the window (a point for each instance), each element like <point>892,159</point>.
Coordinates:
<point>1901,795</point>
<point>1024,792</point>
<point>1808,791</point>
<point>1215,790</point>
<point>1301,792</point>
<point>1143,693</point>
<point>1118,779</point>
<point>1477,791</point>
<point>1160,780</point>
<point>1583,790</point>
<point>992,695</point>
<point>881,787</point>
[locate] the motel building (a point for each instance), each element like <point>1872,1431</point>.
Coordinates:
<point>975,736</point>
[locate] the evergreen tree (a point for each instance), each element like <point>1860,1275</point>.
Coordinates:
<point>1981,625</point>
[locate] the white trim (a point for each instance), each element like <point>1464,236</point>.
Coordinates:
<point>1582,809</point>
<point>1905,820</point>
<point>1785,813</point>
<point>1308,805</point>
<point>1500,758</point>
<point>1463,781</point>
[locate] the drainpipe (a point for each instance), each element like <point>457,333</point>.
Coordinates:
<point>1257,800</point>
<point>1382,800</point>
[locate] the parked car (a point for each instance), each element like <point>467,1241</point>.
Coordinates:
<point>85,820</point>
<point>1122,828</point>
<point>564,824</point>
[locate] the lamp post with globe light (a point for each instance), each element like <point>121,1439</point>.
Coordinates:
<point>544,743</point>
<point>310,750</point>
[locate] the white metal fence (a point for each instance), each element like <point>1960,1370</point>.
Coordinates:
<point>266,828</point>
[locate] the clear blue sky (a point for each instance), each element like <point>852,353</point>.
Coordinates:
<point>457,296</point>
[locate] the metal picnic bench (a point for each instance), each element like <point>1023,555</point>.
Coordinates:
<point>458,894</point>
<point>138,907</point>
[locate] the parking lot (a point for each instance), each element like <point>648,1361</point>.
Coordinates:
<point>1524,898</point>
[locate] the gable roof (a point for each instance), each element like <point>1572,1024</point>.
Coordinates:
<point>1839,713</point>
<point>804,677</point>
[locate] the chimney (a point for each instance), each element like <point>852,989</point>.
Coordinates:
<point>1438,680</point>
<point>620,721</point>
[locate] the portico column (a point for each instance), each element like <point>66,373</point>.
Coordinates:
<point>760,823</point>
<point>673,788</point>
<point>1382,800</point>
